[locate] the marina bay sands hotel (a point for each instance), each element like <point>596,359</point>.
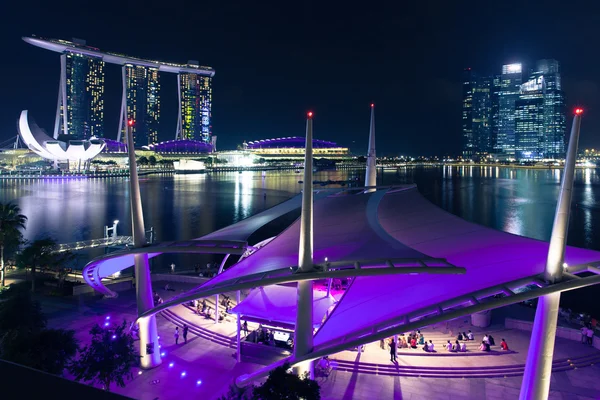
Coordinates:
<point>80,107</point>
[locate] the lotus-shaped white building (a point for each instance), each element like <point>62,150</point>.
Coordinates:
<point>38,141</point>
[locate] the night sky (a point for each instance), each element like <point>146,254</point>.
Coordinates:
<point>276,60</point>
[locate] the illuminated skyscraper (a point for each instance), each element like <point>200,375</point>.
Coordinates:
<point>82,90</point>
<point>476,115</point>
<point>143,103</point>
<point>467,113</point>
<point>507,94</point>
<point>195,106</point>
<point>540,114</point>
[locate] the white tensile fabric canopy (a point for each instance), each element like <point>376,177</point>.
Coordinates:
<point>490,257</point>
<point>276,304</point>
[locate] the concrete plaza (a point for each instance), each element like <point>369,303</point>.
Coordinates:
<point>211,367</point>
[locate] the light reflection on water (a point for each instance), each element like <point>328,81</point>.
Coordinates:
<point>520,201</point>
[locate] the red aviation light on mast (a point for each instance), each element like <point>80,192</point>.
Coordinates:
<point>372,105</point>
<point>578,111</point>
<point>310,114</point>
<point>130,122</point>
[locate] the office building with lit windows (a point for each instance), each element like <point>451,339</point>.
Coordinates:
<point>508,91</point>
<point>80,110</point>
<point>143,103</point>
<point>513,118</point>
<point>196,106</point>
<point>476,115</point>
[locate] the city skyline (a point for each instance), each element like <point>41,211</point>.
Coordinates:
<point>271,69</point>
<point>519,114</point>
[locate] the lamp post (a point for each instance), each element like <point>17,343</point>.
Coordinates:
<point>149,350</point>
<point>538,368</point>
<point>303,337</point>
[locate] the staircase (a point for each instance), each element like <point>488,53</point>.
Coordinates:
<point>204,333</point>
<point>457,372</point>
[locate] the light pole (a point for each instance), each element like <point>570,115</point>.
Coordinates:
<point>149,350</point>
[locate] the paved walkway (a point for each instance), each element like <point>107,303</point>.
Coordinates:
<point>210,368</point>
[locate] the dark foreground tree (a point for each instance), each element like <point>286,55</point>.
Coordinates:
<point>40,254</point>
<point>24,339</point>
<point>282,384</point>
<point>11,224</point>
<point>108,359</point>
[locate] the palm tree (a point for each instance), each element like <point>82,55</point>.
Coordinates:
<point>40,254</point>
<point>11,221</point>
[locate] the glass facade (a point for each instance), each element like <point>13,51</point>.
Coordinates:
<point>476,115</point>
<point>143,103</point>
<point>467,113</point>
<point>507,94</point>
<point>196,106</point>
<point>540,114</point>
<point>514,119</point>
<point>85,96</point>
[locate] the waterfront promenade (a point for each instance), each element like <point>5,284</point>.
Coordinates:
<point>209,359</point>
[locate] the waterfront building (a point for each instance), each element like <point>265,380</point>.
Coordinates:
<point>467,113</point>
<point>508,93</point>
<point>195,92</point>
<point>476,115</point>
<point>82,73</point>
<point>142,89</point>
<point>512,118</point>
<point>293,147</point>
<point>80,109</point>
<point>540,115</point>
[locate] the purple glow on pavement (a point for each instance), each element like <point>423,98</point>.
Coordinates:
<point>198,382</point>
<point>114,336</point>
<point>106,324</point>
<point>183,374</point>
<point>171,365</point>
<point>163,354</point>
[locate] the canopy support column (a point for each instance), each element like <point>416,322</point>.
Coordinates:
<point>149,350</point>
<point>239,326</point>
<point>538,368</point>
<point>216,309</point>
<point>303,336</point>
<point>371,173</point>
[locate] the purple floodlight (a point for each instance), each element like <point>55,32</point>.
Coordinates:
<point>184,146</point>
<point>294,142</point>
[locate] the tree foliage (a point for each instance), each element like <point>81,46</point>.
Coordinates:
<point>108,359</point>
<point>24,338</point>
<point>152,160</point>
<point>282,384</point>
<point>40,254</point>
<point>11,224</point>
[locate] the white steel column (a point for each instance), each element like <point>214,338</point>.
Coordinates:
<point>143,283</point>
<point>239,326</point>
<point>303,336</point>
<point>63,77</point>
<point>538,368</point>
<point>371,174</point>
<point>123,117</point>
<point>217,296</point>
<point>179,130</point>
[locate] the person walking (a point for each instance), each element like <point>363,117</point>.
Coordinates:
<point>185,332</point>
<point>176,335</point>
<point>245,328</point>
<point>590,336</point>
<point>392,350</point>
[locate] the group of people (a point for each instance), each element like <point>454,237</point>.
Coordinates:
<point>203,309</point>
<point>185,333</point>
<point>456,347</point>
<point>488,341</point>
<point>587,334</point>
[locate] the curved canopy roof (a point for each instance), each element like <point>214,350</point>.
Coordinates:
<point>276,304</point>
<point>490,257</point>
<point>289,142</point>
